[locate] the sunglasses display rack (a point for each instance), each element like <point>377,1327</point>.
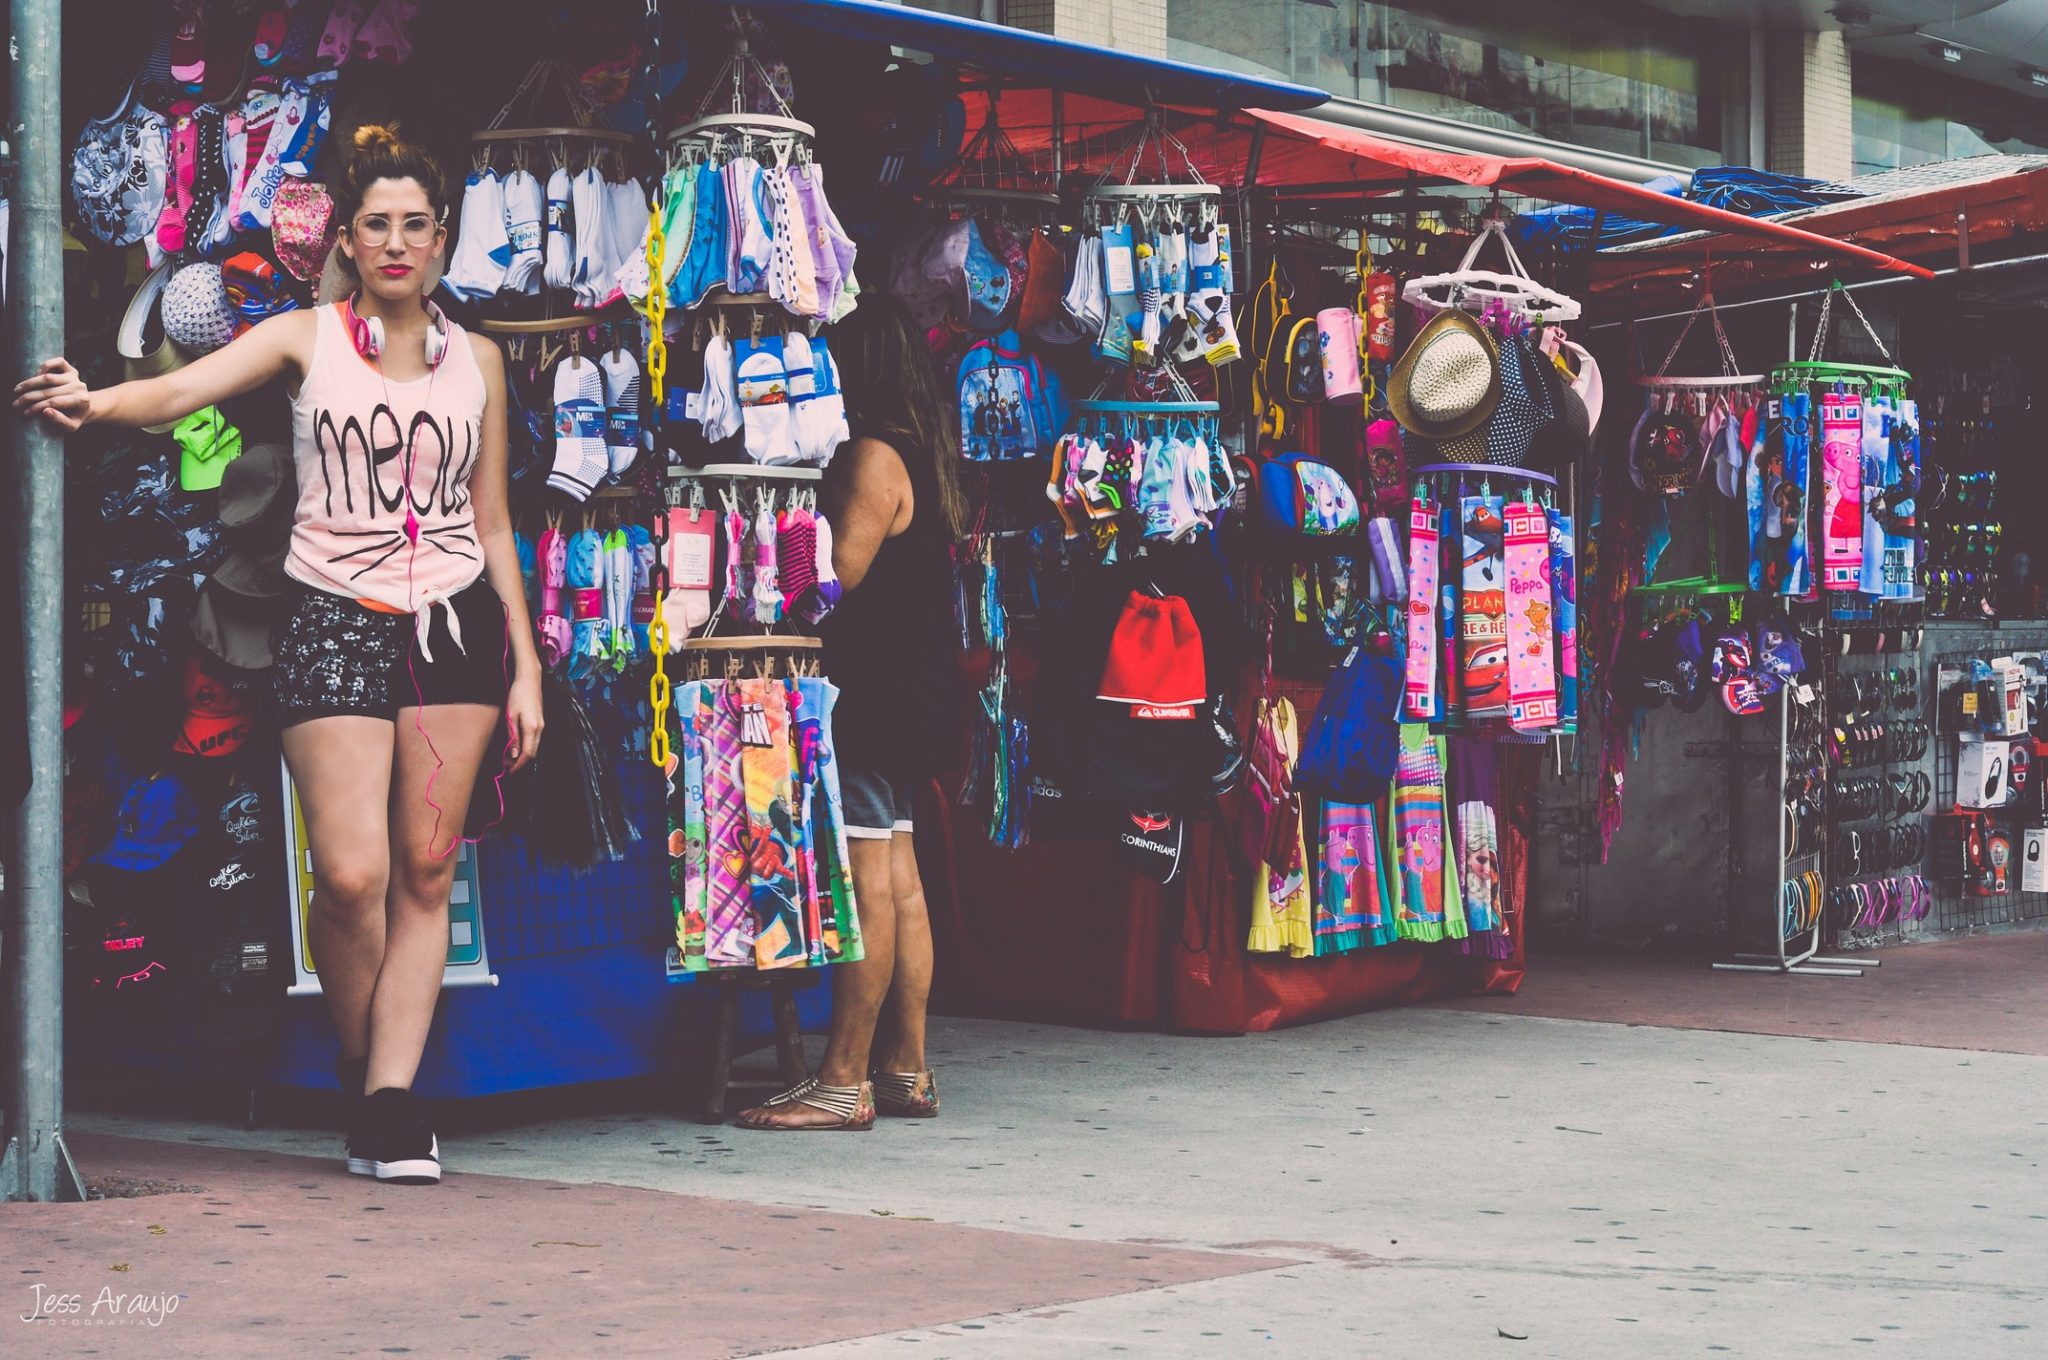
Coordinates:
<point>1800,913</point>
<point>1875,748</point>
<point>1989,838</point>
<point>1958,506</point>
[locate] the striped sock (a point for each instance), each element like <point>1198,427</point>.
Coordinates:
<point>580,460</point>
<point>622,409</point>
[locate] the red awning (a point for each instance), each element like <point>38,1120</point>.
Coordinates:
<point>1379,160</point>
<point>1973,206</point>
<point>1284,151</point>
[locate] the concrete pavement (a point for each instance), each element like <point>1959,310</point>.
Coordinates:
<point>1437,1183</point>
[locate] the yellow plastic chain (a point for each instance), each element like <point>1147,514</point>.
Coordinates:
<point>656,307</point>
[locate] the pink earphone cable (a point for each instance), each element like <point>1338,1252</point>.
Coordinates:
<point>361,334</point>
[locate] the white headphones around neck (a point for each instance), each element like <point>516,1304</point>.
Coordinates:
<point>368,331</point>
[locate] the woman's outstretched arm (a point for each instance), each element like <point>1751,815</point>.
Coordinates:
<point>275,348</point>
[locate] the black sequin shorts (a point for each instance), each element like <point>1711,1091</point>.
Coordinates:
<point>338,657</point>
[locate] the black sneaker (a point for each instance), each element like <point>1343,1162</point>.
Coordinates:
<point>349,1074</point>
<point>402,1144</point>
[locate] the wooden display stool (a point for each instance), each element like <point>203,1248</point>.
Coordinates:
<point>723,1078</point>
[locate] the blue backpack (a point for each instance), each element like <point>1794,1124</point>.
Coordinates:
<point>1010,405</point>
<point>1303,497</point>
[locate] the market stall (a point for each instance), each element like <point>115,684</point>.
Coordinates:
<point>1839,815</point>
<point>1271,607</point>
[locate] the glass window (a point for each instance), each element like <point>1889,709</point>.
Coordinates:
<point>1910,115</point>
<point>1615,77</point>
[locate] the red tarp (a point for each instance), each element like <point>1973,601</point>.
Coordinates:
<point>1535,177</point>
<point>1297,151</point>
<point>1927,224</point>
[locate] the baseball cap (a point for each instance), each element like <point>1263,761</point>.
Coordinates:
<point>217,719</point>
<point>156,819</point>
<point>206,445</point>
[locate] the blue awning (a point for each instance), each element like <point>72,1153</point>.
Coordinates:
<point>1037,59</point>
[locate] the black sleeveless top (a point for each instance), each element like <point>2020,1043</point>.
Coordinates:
<point>891,645</point>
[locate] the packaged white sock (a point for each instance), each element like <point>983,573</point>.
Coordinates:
<point>692,534</point>
<point>1173,268</point>
<point>590,201</point>
<point>524,206</point>
<point>1151,302</point>
<point>559,253</point>
<point>718,410</point>
<point>481,248</point>
<point>580,458</point>
<point>1209,296</point>
<point>1120,291</point>
<point>823,428</point>
<point>1085,302</point>
<point>810,418</point>
<point>621,409</point>
<point>763,386</point>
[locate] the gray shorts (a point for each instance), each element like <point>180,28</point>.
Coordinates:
<point>875,806</point>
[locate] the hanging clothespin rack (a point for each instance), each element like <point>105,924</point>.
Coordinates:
<point>727,113</point>
<point>740,658</point>
<point>1884,379</point>
<point>1476,289</point>
<point>992,172</point>
<point>549,83</point>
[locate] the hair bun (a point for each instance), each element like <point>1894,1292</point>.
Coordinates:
<point>371,138</point>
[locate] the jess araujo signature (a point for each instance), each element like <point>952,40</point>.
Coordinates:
<point>109,1307</point>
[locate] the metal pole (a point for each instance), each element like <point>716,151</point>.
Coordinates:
<point>1889,281</point>
<point>35,1164</point>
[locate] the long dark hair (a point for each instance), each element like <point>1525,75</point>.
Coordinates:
<point>894,393</point>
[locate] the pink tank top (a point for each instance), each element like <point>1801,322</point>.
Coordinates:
<point>384,513</point>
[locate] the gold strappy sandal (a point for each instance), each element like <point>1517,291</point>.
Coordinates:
<point>907,1095</point>
<point>854,1106</point>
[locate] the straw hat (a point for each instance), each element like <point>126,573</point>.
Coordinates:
<point>1448,382</point>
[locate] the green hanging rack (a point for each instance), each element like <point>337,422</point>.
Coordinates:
<point>1814,370</point>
